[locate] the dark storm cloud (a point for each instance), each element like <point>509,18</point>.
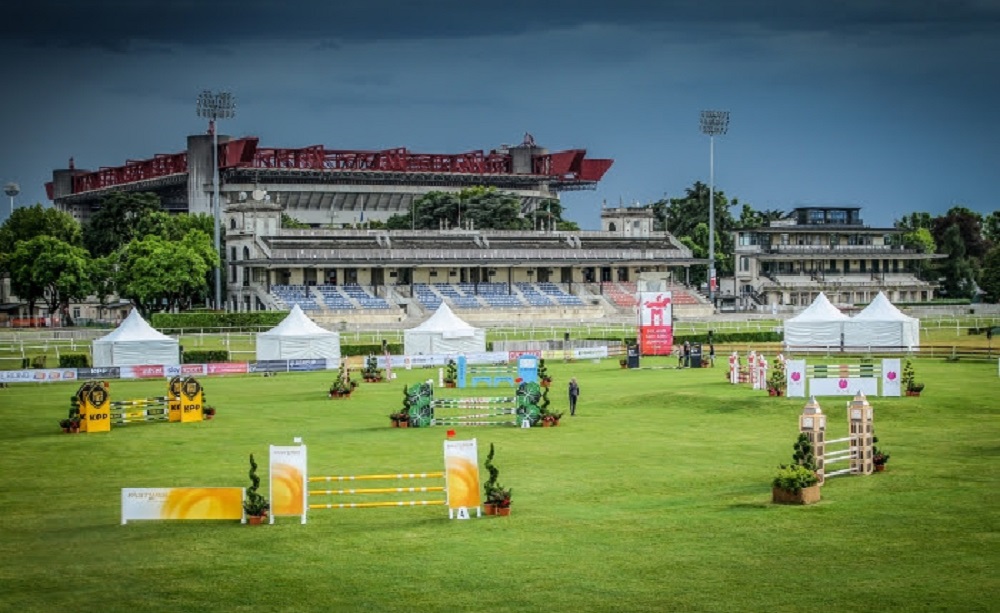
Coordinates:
<point>120,25</point>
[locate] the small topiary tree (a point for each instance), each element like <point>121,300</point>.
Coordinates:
<point>255,505</point>
<point>803,454</point>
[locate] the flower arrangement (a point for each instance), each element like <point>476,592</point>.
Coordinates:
<point>879,456</point>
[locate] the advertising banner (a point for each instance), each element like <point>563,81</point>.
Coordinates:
<point>170,503</point>
<point>656,333</point>
<point>268,366</point>
<point>890,377</point>
<point>843,386</point>
<point>145,371</point>
<point>307,365</point>
<point>587,353</point>
<point>98,372</point>
<point>228,368</point>
<point>287,481</point>
<point>795,378</point>
<point>41,375</point>
<point>461,461</point>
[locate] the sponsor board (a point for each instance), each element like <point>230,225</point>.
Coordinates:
<point>41,375</point>
<point>182,503</point>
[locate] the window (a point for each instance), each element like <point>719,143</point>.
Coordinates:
<point>76,312</point>
<point>232,253</point>
<point>744,264</point>
<point>246,253</point>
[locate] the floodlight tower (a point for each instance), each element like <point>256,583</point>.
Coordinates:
<point>713,123</point>
<point>12,189</point>
<point>216,106</point>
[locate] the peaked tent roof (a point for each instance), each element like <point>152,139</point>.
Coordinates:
<point>881,309</point>
<point>134,328</point>
<point>444,320</point>
<point>820,310</point>
<point>297,323</point>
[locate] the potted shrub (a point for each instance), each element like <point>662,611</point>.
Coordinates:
<point>372,373</point>
<point>450,373</point>
<point>776,382</point>
<point>879,456</point>
<point>497,497</point>
<point>908,380</point>
<point>255,506</point>
<point>65,424</point>
<point>544,379</point>
<point>343,385</point>
<point>208,411</point>
<point>623,362</point>
<point>797,483</point>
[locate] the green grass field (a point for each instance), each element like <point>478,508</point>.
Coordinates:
<point>655,497</point>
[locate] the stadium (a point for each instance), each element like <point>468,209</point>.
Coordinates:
<point>342,271</point>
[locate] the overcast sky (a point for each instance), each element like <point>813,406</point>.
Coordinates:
<point>883,104</point>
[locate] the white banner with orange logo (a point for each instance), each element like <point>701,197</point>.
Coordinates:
<point>461,462</point>
<point>167,503</point>
<point>287,481</point>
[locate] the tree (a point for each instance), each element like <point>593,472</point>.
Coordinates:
<point>484,208</point>
<point>46,268</point>
<point>991,228</point>
<point>957,272</point>
<point>969,224</point>
<point>291,223</point>
<point>157,274</point>
<point>29,222</point>
<point>683,215</point>
<point>989,279</point>
<point>123,216</point>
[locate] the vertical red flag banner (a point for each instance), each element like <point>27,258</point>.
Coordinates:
<point>656,323</point>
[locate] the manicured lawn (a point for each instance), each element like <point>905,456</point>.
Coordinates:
<point>655,497</point>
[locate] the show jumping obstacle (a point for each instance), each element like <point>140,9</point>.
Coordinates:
<point>424,410</point>
<point>494,375</point>
<point>184,403</point>
<point>859,452</point>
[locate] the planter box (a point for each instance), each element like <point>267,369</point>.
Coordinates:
<point>807,495</point>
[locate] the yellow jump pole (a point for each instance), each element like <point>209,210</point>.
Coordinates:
<point>377,477</point>
<point>378,490</point>
<point>369,505</point>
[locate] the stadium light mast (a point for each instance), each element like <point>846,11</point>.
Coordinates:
<point>216,106</point>
<point>713,123</point>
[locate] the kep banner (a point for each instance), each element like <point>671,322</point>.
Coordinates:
<point>461,461</point>
<point>184,503</point>
<point>656,320</point>
<point>287,481</point>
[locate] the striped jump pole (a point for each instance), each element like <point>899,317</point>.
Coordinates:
<point>370,504</point>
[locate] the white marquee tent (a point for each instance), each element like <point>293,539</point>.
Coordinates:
<point>298,338</point>
<point>134,342</point>
<point>820,325</point>
<point>882,325</point>
<point>443,333</point>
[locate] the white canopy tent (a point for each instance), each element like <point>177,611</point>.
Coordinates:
<point>444,333</point>
<point>881,325</point>
<point>298,338</point>
<point>134,342</point>
<point>820,325</point>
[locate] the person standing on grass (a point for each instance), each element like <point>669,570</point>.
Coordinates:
<point>574,393</point>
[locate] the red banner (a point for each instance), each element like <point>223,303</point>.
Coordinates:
<point>228,368</point>
<point>656,323</point>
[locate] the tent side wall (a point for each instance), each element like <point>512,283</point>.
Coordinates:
<point>813,333</point>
